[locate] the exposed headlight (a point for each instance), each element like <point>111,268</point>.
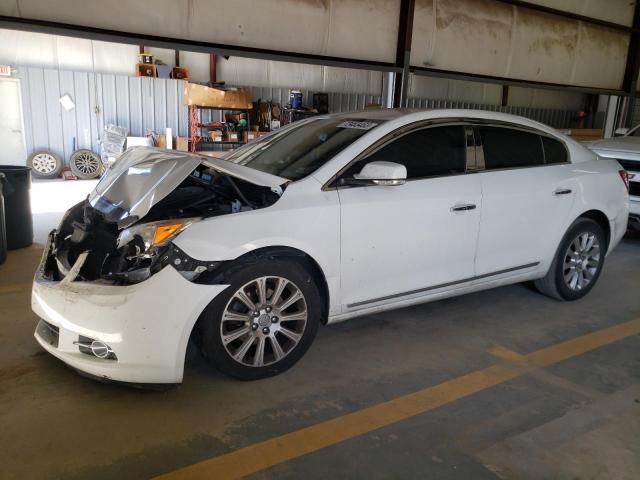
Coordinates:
<point>155,234</point>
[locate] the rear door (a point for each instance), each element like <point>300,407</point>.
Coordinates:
<point>527,191</point>
<point>407,240</point>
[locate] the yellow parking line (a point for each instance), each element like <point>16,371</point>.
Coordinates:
<point>262,455</point>
<point>20,287</point>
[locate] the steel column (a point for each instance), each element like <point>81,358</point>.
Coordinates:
<point>630,79</point>
<point>403,52</point>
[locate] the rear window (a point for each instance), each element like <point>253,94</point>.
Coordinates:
<point>554,151</point>
<point>510,148</point>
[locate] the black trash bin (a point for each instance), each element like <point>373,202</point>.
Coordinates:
<point>17,206</point>
<point>3,235</point>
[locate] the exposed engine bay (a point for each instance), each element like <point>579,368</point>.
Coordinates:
<point>119,248</point>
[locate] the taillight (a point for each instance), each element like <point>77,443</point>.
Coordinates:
<point>625,178</point>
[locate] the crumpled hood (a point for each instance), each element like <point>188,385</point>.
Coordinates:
<point>143,176</point>
<point>616,144</point>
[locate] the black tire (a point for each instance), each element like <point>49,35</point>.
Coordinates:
<point>553,284</point>
<point>85,164</point>
<point>45,164</point>
<point>211,321</point>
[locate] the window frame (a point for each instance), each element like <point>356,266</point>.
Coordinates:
<point>403,131</point>
<point>475,162</point>
<point>523,128</point>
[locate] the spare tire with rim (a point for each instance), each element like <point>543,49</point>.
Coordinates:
<point>85,164</point>
<point>45,164</point>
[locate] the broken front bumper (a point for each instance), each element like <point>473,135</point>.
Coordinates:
<point>146,326</point>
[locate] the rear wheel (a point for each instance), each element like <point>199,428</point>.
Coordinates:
<point>264,322</point>
<point>578,262</point>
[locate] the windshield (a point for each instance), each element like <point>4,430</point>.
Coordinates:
<point>298,150</point>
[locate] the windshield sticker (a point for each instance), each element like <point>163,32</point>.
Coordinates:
<point>358,125</point>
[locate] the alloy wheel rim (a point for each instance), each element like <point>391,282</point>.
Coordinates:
<point>264,321</point>
<point>86,163</point>
<point>581,261</point>
<point>44,163</point>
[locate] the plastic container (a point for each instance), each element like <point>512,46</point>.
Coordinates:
<point>295,99</point>
<point>17,206</point>
<point>3,230</point>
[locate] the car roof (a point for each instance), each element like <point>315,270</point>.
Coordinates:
<point>416,114</point>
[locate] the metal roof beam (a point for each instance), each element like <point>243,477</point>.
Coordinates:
<point>115,36</point>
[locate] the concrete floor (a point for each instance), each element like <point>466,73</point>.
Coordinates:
<point>576,416</point>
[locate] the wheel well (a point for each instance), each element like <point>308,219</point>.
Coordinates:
<point>306,260</point>
<point>602,220</point>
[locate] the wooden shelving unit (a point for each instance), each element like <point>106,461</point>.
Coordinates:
<point>196,140</point>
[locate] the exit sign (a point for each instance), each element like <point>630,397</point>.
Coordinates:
<point>5,70</point>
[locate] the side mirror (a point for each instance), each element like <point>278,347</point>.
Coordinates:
<point>379,173</point>
<point>620,132</point>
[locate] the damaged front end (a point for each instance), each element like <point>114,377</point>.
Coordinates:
<point>122,233</point>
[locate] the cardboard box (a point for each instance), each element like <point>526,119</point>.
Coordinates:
<point>215,135</point>
<point>232,137</point>
<point>247,136</point>
<point>583,134</point>
<point>195,94</point>
<point>182,144</point>
<point>161,141</point>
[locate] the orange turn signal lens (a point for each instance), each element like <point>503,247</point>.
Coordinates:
<point>165,231</point>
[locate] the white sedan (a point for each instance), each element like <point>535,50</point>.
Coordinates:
<point>327,219</point>
<point>625,149</point>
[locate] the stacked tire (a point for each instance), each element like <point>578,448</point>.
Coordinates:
<point>84,164</point>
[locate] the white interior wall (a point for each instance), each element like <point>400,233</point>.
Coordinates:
<point>66,53</point>
<point>491,94</point>
<point>472,36</point>
<point>493,38</point>
<point>446,89</point>
<point>265,73</point>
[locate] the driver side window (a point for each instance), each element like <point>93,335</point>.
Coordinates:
<point>429,152</point>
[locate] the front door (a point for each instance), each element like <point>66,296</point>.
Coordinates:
<point>11,134</point>
<point>412,239</point>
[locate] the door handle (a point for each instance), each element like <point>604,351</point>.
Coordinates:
<point>562,191</point>
<point>463,207</point>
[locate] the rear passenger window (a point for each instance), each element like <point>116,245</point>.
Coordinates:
<point>554,151</point>
<point>510,148</point>
<point>429,152</point>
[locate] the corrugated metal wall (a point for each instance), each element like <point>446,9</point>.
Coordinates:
<point>552,117</point>
<point>137,103</point>
<point>635,115</point>
<point>143,104</point>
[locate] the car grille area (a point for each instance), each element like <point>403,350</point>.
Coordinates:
<point>634,189</point>
<point>49,333</point>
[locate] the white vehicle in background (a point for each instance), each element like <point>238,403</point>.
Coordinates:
<point>326,219</point>
<point>625,148</point>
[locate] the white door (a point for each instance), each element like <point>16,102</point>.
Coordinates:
<point>525,199</point>
<point>11,129</point>
<point>411,239</point>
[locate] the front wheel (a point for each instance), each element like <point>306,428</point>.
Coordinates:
<point>578,262</point>
<point>264,322</point>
